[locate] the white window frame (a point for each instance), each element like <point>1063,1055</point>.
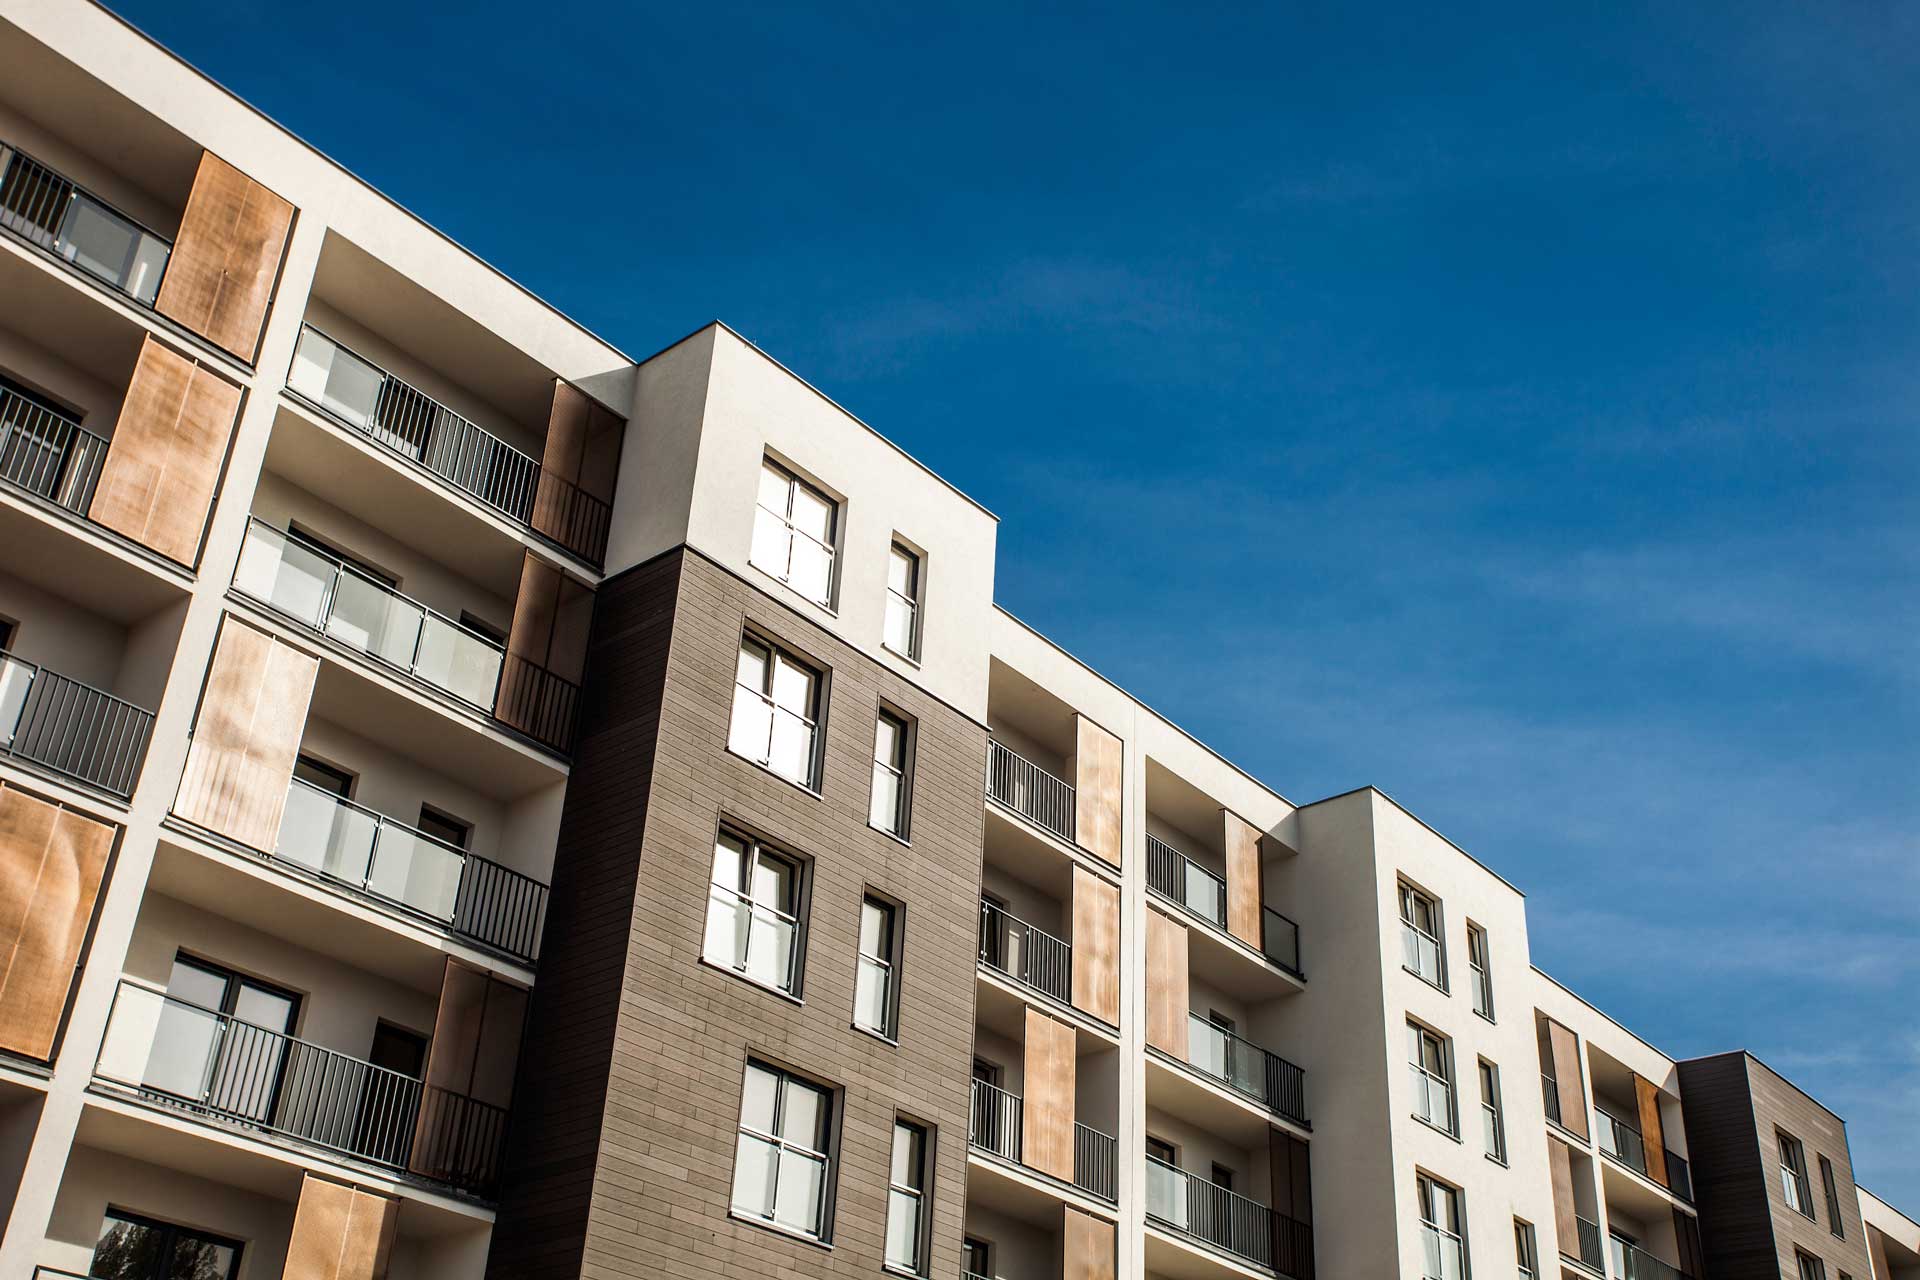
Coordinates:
<point>880,965</point>
<point>822,1156</point>
<point>1413,935</point>
<point>919,1196</point>
<point>744,740</point>
<point>1437,1239</point>
<point>1493,1111</point>
<point>896,771</point>
<point>907,603</point>
<point>1426,1082</point>
<point>736,897</point>
<point>764,518</point>
<point>1480,970</point>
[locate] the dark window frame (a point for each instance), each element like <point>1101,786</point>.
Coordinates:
<point>171,1233</point>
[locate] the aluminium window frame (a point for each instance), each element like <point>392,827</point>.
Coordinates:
<point>800,877</point>
<point>836,522</point>
<point>911,602</point>
<point>1411,899</point>
<point>889,964</point>
<point>815,720</point>
<point>827,1157</point>
<point>922,1196</point>
<point>1447,1080</point>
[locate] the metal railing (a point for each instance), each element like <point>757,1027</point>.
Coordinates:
<point>358,393</point>
<point>1247,1069</point>
<point>1550,1098</point>
<point>1443,1255</point>
<point>47,453</point>
<point>1026,953</point>
<point>997,1126</point>
<point>1280,941</point>
<point>1630,1262</point>
<point>1185,883</point>
<point>45,208</point>
<point>1592,1254</point>
<point>70,727</point>
<point>1620,1140</point>
<point>373,854</point>
<point>1679,1176</point>
<point>1215,1216</point>
<point>1028,790</point>
<point>213,1065</point>
<point>1096,1163</point>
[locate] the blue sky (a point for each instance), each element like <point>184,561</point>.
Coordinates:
<point>1512,407</point>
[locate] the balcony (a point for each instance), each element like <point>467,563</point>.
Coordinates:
<point>1679,1177</point>
<point>71,728</point>
<point>1025,953</point>
<point>178,1056</point>
<point>1620,1140</point>
<point>1218,1219</point>
<point>1591,1255</point>
<point>337,601</point>
<point>1264,1078</point>
<point>1177,879</point>
<point>1029,790</point>
<point>47,454</point>
<point>353,391</point>
<point>997,1127</point>
<point>51,212</point>
<point>1630,1262</point>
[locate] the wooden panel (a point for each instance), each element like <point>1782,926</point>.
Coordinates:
<point>220,276</point>
<point>245,739</point>
<point>1565,1207</point>
<point>1166,984</point>
<point>1566,1073</point>
<point>1096,795</point>
<point>1096,946</point>
<point>341,1233</point>
<point>1647,1094</point>
<point>1243,879</point>
<point>1047,1122</point>
<point>535,608</point>
<point>1086,1247</point>
<point>1292,1184</point>
<point>51,863</point>
<point>156,485</point>
<point>1686,1234</point>
<point>583,451</point>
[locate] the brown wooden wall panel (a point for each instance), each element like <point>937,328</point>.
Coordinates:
<point>247,735</point>
<point>1565,1208</point>
<point>1565,1047</point>
<point>341,1233</point>
<point>1243,878</point>
<point>583,441</point>
<point>473,1054</point>
<point>1652,1133</point>
<point>51,864</point>
<point>1047,1112</point>
<point>220,276</point>
<point>1096,946</point>
<point>1686,1234</point>
<point>1087,1247</point>
<point>1290,1170</point>
<point>1097,786</point>
<point>163,463</point>
<point>1167,1003</point>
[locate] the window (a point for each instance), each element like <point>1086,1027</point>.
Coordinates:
<point>876,997</point>
<point>135,1248</point>
<point>1811,1268</point>
<point>444,827</point>
<point>1526,1250</point>
<point>976,1259</point>
<point>1491,1113</point>
<point>1832,1189</point>
<point>1443,1231</point>
<point>793,533</point>
<point>1420,936</point>
<point>892,744</point>
<point>907,1200</point>
<point>776,710</point>
<point>1482,971</point>
<point>8,630</point>
<point>903,602</point>
<point>781,1161</point>
<point>323,777</point>
<point>246,1068</point>
<point>753,912</point>
<point>1432,1075</point>
<point>1793,1173</point>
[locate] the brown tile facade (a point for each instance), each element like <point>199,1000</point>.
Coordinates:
<point>629,1093</point>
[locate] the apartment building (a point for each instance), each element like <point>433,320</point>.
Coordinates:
<point>476,804</point>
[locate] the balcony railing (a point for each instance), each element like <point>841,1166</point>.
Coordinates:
<point>1028,790</point>
<point>1443,1255</point>
<point>212,1065</point>
<point>1216,1217</point>
<point>334,599</point>
<point>47,209</point>
<point>1630,1262</point>
<point>1026,953</point>
<point>47,453</point>
<point>358,393</point>
<point>997,1126</point>
<point>1592,1254</point>
<point>1185,883</point>
<point>70,727</point>
<point>1679,1176</point>
<point>1550,1098</point>
<point>1620,1140</point>
<point>1280,941</point>
<point>370,853</point>
<point>1247,1069</point>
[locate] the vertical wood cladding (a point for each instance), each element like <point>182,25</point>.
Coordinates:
<point>1096,789</point>
<point>220,276</point>
<point>1096,946</point>
<point>1647,1098</point>
<point>1167,1000</point>
<point>1243,878</point>
<point>341,1232</point>
<point>51,863</point>
<point>623,1152</point>
<point>1563,1051</point>
<point>1086,1247</point>
<point>246,736</point>
<point>1566,1226</point>
<point>1047,1112</point>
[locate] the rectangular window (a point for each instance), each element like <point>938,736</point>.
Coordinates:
<point>793,533</point>
<point>1526,1250</point>
<point>903,602</point>
<point>876,997</point>
<point>907,1200</point>
<point>1432,1076</point>
<point>976,1259</point>
<point>782,1160</point>
<point>892,746</point>
<point>1793,1173</point>
<point>1443,1231</point>
<point>753,912</point>
<point>1482,971</point>
<point>776,712</point>
<point>1420,936</point>
<point>136,1248</point>
<point>1811,1268</point>
<point>1832,1189</point>
<point>1492,1115</point>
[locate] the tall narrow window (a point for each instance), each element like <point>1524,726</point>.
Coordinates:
<point>907,1200</point>
<point>1482,971</point>
<point>793,533</point>
<point>1420,936</point>
<point>875,990</point>
<point>776,712</point>
<point>903,602</point>
<point>887,807</point>
<point>1811,1268</point>
<point>1432,1077</point>
<point>1832,1189</point>
<point>1492,1114</point>
<point>1526,1250</point>
<point>1793,1173</point>
<point>1443,1231</point>
<point>782,1158</point>
<point>753,904</point>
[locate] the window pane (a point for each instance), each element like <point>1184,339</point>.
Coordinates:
<point>876,920</point>
<point>754,1165</point>
<point>773,882</point>
<point>196,1258</point>
<point>770,950</point>
<point>810,571</point>
<point>887,741</point>
<point>884,806</point>
<point>727,926</point>
<point>803,1182</point>
<point>757,1098</point>
<point>903,1230</point>
<point>792,686</point>
<point>771,541</point>
<point>907,1156</point>
<point>127,1250</point>
<point>870,994</point>
<point>729,854</point>
<point>812,514</point>
<point>900,573</point>
<point>899,632</point>
<point>790,754</point>
<point>805,1119</point>
<point>751,733</point>
<point>774,487</point>
<point>751,670</point>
